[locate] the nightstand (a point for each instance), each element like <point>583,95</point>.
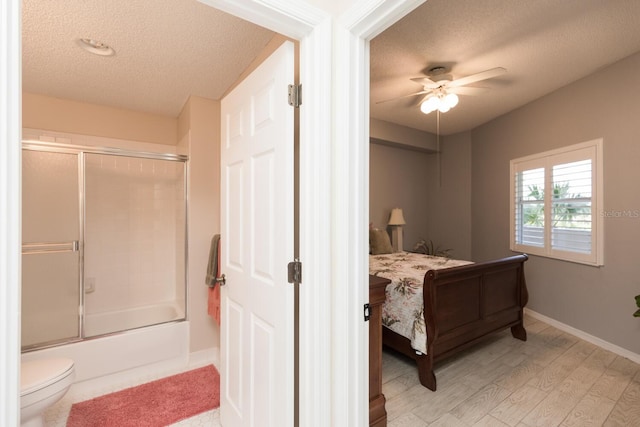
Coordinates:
<point>377,411</point>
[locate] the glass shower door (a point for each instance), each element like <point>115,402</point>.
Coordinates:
<point>134,234</point>
<point>50,248</point>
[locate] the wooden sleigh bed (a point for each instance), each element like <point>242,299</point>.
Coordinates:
<point>461,306</point>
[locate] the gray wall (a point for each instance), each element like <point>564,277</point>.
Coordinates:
<point>449,201</point>
<point>398,178</point>
<point>434,193</point>
<point>598,301</point>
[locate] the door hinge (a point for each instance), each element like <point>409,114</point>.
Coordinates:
<point>295,271</point>
<point>295,95</point>
<point>367,312</point>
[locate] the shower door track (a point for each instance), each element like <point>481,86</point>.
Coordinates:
<point>70,148</point>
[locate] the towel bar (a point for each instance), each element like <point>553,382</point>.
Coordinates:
<point>41,248</point>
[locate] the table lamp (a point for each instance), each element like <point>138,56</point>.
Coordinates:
<point>396,221</point>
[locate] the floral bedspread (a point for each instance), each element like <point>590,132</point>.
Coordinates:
<point>403,307</point>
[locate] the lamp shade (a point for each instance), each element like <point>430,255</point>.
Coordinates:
<point>396,217</point>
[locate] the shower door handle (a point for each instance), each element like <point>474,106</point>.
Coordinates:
<point>222,280</point>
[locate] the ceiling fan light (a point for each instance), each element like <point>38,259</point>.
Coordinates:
<point>451,100</point>
<point>424,107</point>
<point>444,107</point>
<point>431,104</point>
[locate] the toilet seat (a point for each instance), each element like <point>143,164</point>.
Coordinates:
<point>38,374</point>
<point>42,383</point>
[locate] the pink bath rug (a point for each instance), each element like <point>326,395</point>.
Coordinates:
<point>155,404</point>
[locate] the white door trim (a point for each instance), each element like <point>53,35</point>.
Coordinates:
<point>10,221</point>
<point>334,148</point>
<point>350,204</point>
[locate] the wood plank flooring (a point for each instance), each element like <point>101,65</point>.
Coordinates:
<point>552,379</point>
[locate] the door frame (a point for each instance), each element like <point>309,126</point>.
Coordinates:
<point>334,194</point>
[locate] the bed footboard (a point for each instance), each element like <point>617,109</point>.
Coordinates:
<point>464,304</point>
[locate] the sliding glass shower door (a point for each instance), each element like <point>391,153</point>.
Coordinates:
<point>135,225</point>
<point>50,250</point>
<point>104,241</point>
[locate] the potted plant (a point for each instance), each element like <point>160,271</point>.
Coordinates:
<point>637,313</point>
<point>428,248</point>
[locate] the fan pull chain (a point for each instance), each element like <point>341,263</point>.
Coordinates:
<point>438,166</point>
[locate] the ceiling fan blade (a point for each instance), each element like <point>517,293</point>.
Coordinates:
<point>426,82</point>
<point>488,74</point>
<point>422,92</point>
<point>467,90</point>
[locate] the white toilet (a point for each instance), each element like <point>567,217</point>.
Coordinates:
<point>42,383</point>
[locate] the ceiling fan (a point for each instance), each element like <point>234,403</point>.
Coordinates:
<point>441,91</point>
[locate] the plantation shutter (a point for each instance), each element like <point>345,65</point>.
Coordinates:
<point>571,207</point>
<point>530,212</point>
<point>555,197</point>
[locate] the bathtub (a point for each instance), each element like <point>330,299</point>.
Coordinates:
<point>166,343</point>
<point>131,318</point>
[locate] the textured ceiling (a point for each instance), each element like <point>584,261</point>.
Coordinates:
<point>170,49</point>
<point>543,44</point>
<point>166,50</point>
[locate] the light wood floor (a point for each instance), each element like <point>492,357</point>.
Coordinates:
<point>552,379</point>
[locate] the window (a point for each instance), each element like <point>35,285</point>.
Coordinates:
<point>555,200</point>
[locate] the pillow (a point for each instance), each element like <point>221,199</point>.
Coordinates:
<point>379,242</point>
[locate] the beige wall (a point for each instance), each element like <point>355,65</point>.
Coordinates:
<point>64,115</point>
<point>199,127</point>
<point>598,301</point>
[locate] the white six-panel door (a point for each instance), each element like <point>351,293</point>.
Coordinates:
<point>257,344</point>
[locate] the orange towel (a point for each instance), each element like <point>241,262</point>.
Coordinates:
<point>213,305</point>
<point>213,300</point>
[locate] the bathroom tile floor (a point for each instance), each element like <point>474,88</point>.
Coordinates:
<point>56,416</point>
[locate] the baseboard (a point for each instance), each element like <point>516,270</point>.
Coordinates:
<point>585,336</point>
<point>204,357</point>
